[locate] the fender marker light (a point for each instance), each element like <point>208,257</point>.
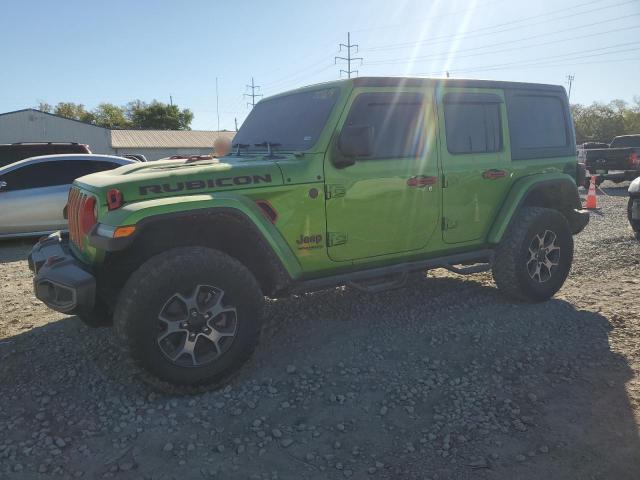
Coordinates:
<point>114,199</point>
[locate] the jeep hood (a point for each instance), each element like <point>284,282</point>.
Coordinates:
<point>169,178</point>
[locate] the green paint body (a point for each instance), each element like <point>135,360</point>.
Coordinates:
<point>332,220</point>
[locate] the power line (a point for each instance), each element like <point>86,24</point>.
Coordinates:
<point>348,46</point>
<point>253,93</point>
<point>548,60</point>
<point>479,50</point>
<point>489,30</point>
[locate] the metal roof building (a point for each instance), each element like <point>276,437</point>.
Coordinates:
<point>31,125</point>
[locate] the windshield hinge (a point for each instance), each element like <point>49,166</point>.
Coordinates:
<point>336,238</point>
<point>334,191</point>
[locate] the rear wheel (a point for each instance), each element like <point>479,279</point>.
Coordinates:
<point>190,316</point>
<point>534,257</point>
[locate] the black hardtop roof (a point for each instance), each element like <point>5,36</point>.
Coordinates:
<point>449,82</point>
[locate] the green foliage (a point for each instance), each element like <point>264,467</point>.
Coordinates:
<point>158,115</point>
<point>601,122</point>
<point>136,114</point>
<point>111,116</point>
<point>75,111</point>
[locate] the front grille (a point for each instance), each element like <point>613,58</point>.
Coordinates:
<point>76,199</point>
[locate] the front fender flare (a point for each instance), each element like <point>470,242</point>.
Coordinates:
<point>141,213</point>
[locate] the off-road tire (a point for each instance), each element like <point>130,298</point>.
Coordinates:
<point>146,293</point>
<point>635,224</point>
<point>510,269</point>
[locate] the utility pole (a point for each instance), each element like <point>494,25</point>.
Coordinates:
<point>217,105</point>
<point>236,120</point>
<point>348,46</point>
<point>570,79</point>
<point>253,93</point>
<point>170,100</point>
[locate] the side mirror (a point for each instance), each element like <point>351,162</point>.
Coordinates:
<point>355,141</point>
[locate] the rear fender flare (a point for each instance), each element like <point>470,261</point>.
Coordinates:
<point>562,184</point>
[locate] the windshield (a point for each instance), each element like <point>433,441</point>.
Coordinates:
<point>292,122</point>
<point>623,142</point>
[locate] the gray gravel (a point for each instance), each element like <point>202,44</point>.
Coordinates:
<point>442,379</point>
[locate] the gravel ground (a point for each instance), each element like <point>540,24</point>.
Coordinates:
<point>442,379</point>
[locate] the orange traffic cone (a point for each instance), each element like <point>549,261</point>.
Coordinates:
<point>592,199</point>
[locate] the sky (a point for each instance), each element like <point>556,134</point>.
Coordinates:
<point>117,51</point>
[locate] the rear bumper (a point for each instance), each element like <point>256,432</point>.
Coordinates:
<point>578,220</point>
<point>61,282</point>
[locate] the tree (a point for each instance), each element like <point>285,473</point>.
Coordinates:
<point>110,116</point>
<point>75,111</point>
<point>136,114</point>
<point>601,122</point>
<point>158,115</point>
<point>44,107</point>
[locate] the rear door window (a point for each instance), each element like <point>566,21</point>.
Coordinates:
<point>472,127</point>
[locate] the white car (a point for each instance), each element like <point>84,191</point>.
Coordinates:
<point>33,192</point>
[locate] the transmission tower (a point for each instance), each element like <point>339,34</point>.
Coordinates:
<point>253,93</point>
<point>348,46</point>
<point>570,79</point>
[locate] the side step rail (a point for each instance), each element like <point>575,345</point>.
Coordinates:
<point>462,263</point>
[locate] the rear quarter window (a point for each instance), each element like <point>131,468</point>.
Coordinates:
<point>539,125</point>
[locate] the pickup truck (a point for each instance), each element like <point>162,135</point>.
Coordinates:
<point>618,162</point>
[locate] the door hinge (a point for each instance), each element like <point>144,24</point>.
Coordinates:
<point>448,224</point>
<point>336,238</point>
<point>334,191</point>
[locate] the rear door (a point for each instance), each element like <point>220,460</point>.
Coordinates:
<point>476,160</point>
<point>388,202</point>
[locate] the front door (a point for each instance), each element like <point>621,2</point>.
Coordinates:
<point>476,160</point>
<point>388,202</point>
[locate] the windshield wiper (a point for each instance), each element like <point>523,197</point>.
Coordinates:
<point>269,146</point>
<point>238,146</point>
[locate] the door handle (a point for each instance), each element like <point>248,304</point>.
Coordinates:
<point>421,181</point>
<point>494,174</point>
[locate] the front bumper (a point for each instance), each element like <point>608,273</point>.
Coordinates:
<point>61,281</point>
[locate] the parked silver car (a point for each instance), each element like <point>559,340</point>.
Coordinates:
<point>33,192</point>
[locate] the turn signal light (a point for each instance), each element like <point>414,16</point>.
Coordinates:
<point>633,160</point>
<point>121,232</point>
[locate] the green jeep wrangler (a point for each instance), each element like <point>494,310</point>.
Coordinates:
<point>354,182</point>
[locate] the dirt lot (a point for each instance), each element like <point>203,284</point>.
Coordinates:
<point>442,379</point>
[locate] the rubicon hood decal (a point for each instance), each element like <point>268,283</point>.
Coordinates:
<point>204,184</point>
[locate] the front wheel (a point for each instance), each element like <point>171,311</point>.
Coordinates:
<point>534,257</point>
<point>190,316</point>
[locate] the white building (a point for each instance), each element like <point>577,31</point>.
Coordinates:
<point>31,125</point>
